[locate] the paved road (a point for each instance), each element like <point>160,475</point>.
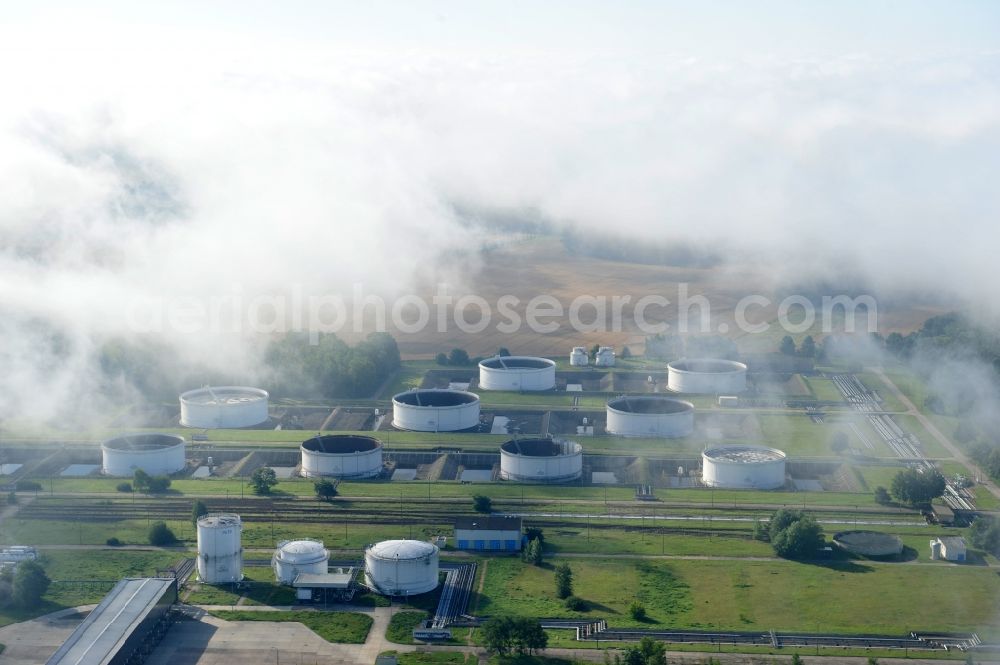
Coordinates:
<point>958,453</point>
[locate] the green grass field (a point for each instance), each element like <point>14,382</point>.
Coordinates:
<point>79,575</point>
<point>339,627</point>
<point>753,595</point>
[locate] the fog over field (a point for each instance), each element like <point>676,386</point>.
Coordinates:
<point>144,163</point>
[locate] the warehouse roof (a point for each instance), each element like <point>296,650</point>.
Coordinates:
<point>488,523</point>
<point>103,633</point>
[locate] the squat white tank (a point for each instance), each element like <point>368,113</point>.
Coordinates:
<point>401,567</point>
<point>579,357</point>
<point>435,410</point>
<point>743,467</point>
<point>296,557</point>
<point>707,376</point>
<point>650,415</point>
<point>541,460</point>
<point>156,454</point>
<point>517,373</point>
<point>223,407</point>
<point>341,456</point>
<point>220,551</point>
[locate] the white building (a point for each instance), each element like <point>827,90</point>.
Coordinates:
<point>488,532</point>
<point>948,548</point>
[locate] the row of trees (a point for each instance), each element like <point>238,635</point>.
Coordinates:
<point>520,635</point>
<point>301,365</point>
<point>806,350</point>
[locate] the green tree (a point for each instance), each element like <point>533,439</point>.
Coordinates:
<point>984,534</point>
<point>759,530</point>
<point>441,359</point>
<point>497,635</point>
<point>263,479</point>
<point>915,487</point>
<point>533,552</point>
<point>140,480</point>
<point>482,504</point>
<point>787,346</point>
<point>160,535</point>
<point>199,509</point>
<point>799,540</point>
<point>653,652</point>
<point>29,584</point>
<point>503,352</point>
<point>535,533</point>
<point>593,351</point>
<point>325,489</point>
<point>637,611</point>
<point>781,520</point>
<point>576,604</point>
<point>796,659</point>
<point>564,581</point>
<point>633,657</point>
<point>882,497</point>
<point>839,442</point>
<point>808,347</point>
<point>625,354</point>
<point>458,357</point>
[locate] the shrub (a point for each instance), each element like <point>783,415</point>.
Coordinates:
<point>482,503</point>
<point>161,535</point>
<point>28,486</point>
<point>113,542</point>
<point>124,487</point>
<point>882,496</point>
<point>576,604</point>
<point>637,611</point>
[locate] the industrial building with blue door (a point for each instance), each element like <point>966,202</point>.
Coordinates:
<point>489,532</point>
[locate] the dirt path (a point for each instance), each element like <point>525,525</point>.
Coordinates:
<point>956,452</point>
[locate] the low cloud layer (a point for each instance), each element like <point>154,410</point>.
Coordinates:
<point>204,177</point>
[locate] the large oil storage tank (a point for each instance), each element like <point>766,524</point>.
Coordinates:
<point>156,454</point>
<point>743,467</point>
<point>649,415</point>
<point>435,410</point>
<point>401,567</point>
<point>223,407</point>
<point>541,460</point>
<point>517,373</point>
<point>341,456</point>
<point>707,376</point>
<point>220,550</point>
<point>296,557</point>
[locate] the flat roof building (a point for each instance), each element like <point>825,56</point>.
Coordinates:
<point>130,619</point>
<point>488,532</point>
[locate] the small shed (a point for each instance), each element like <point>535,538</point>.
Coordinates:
<point>948,548</point>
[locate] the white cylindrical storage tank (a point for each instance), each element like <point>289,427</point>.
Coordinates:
<point>223,407</point>
<point>541,460</point>
<point>743,467</point>
<point>579,357</point>
<point>220,551</point>
<point>517,373</point>
<point>156,454</point>
<point>295,557</point>
<point>401,567</point>
<point>707,376</point>
<point>342,456</point>
<point>650,415</point>
<point>605,357</point>
<point>435,410</point>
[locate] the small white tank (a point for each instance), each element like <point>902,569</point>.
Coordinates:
<point>605,357</point>
<point>578,357</point>
<point>220,551</point>
<point>295,557</point>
